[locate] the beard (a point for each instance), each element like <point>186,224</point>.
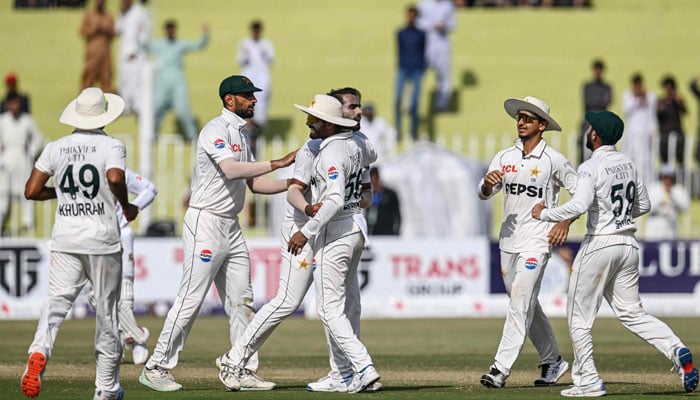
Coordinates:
<point>589,142</point>
<point>244,113</point>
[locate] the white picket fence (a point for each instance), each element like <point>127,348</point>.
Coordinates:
<point>173,162</point>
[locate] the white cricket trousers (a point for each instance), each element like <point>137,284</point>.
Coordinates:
<point>608,266</point>
<point>68,273</point>
<point>127,321</point>
<point>337,260</point>
<point>296,275</point>
<point>522,276</point>
<point>214,251</point>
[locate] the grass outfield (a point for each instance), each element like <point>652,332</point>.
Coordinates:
<point>418,359</point>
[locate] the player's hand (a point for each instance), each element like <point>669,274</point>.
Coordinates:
<point>537,210</point>
<point>312,209</point>
<point>130,212</point>
<point>559,233</point>
<point>284,161</point>
<point>205,27</point>
<point>296,243</point>
<point>491,179</point>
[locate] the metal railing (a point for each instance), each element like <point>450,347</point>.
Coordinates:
<point>174,161</point>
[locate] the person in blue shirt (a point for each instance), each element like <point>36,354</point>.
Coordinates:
<point>411,51</point>
<point>170,90</point>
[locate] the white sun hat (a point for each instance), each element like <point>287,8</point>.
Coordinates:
<point>328,108</point>
<point>533,105</point>
<point>92,109</point>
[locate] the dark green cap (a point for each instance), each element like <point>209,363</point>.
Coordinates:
<point>607,125</point>
<point>235,84</point>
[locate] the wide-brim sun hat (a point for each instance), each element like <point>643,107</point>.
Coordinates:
<point>92,109</point>
<point>328,108</point>
<point>533,105</point>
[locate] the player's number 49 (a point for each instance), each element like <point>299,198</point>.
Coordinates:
<point>88,178</point>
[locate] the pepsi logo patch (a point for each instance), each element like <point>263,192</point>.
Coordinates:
<point>332,173</point>
<point>205,255</point>
<point>219,143</point>
<point>531,263</point>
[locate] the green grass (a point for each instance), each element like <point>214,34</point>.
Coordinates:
<point>324,44</point>
<point>418,359</point>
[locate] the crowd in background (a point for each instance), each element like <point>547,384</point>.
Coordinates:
<point>654,137</point>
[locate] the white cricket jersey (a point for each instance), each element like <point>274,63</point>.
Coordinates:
<point>337,179</point>
<point>86,220</point>
<point>610,190</point>
<point>144,190</point>
<point>303,172</point>
<point>221,138</point>
<point>528,180</point>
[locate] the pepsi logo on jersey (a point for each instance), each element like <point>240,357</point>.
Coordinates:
<point>219,143</point>
<point>531,263</point>
<point>332,173</point>
<point>205,255</point>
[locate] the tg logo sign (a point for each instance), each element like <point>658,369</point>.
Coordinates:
<point>19,269</point>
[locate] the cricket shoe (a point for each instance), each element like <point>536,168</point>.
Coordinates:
<point>331,383</point>
<point>551,373</point>
<point>363,379</point>
<point>228,375</point>
<point>494,379</point>
<point>102,395</point>
<point>159,379</point>
<point>250,381</point>
<point>31,378</point>
<point>683,363</point>
<point>596,389</point>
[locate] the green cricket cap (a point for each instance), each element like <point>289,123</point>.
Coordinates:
<point>607,125</point>
<point>235,84</point>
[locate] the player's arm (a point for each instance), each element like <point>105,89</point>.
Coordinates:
<point>366,194</point>
<point>36,189</point>
<point>144,189</point>
<point>233,169</point>
<point>117,184</point>
<point>491,183</point>
<point>642,204</point>
<point>295,197</point>
<point>579,204</point>
<point>265,185</point>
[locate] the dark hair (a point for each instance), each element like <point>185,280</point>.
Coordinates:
<point>637,78</point>
<point>598,63</point>
<point>338,93</point>
<point>256,24</point>
<point>668,80</point>
<point>170,23</point>
<point>374,171</point>
<point>412,8</point>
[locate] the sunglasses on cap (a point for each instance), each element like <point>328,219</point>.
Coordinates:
<point>310,119</point>
<point>527,118</point>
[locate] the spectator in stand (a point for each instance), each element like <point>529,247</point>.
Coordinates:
<point>20,142</point>
<point>639,108</point>
<point>255,57</point>
<point>670,109</point>
<point>170,83</point>
<point>668,201</point>
<point>384,214</point>
<point>379,131</point>
<point>134,29</point>
<point>411,54</point>
<point>11,86</point>
<point>438,19</point>
<point>597,96</point>
<point>98,31</point>
<point>695,88</point>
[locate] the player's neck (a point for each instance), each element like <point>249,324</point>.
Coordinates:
<point>530,142</point>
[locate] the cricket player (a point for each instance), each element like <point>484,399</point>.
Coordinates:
<point>213,243</point>
<point>527,173</point>
<point>88,168</point>
<point>607,263</point>
<point>133,336</point>
<point>338,236</point>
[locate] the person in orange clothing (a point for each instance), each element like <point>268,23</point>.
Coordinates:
<point>98,30</point>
